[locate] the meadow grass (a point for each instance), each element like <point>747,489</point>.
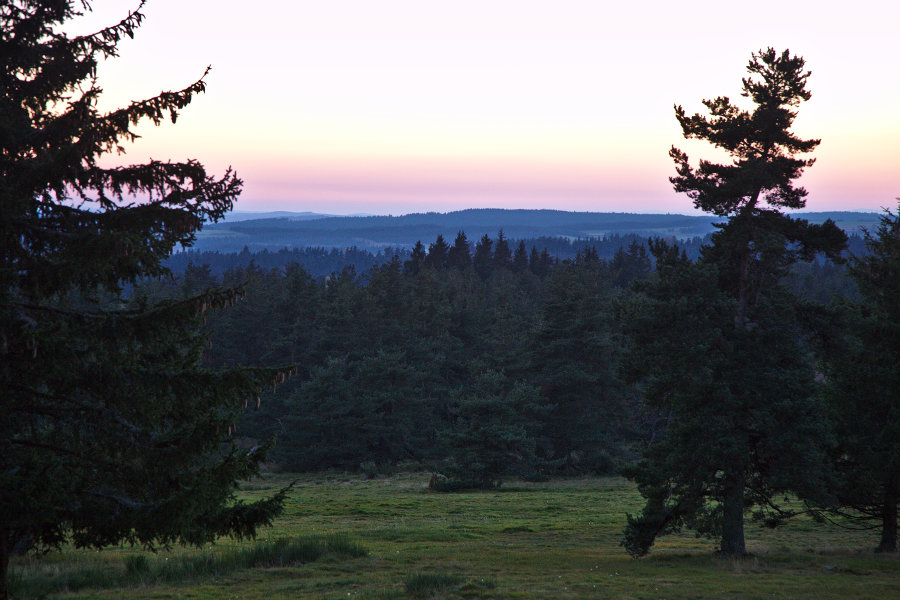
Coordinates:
<point>391,537</point>
<point>143,569</point>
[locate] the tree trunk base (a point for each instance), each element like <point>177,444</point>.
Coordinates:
<point>738,555</point>
<point>732,543</point>
<point>888,521</point>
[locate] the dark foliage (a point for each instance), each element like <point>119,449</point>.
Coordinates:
<point>488,437</point>
<point>862,351</point>
<point>382,354</point>
<point>113,430</point>
<point>385,356</point>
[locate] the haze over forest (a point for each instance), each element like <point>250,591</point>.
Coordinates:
<point>274,231</point>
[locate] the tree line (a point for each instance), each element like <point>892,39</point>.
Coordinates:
<point>387,358</point>
<point>322,261</point>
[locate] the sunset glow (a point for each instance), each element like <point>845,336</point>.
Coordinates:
<point>404,106</point>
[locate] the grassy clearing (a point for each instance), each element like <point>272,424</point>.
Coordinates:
<point>558,539</point>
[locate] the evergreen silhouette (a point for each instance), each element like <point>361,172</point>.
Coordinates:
<point>112,429</point>
<point>723,452</point>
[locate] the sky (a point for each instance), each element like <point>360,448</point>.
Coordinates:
<point>399,106</point>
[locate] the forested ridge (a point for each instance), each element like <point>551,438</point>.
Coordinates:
<point>322,261</point>
<point>274,231</point>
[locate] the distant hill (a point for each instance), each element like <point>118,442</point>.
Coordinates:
<point>273,231</point>
<point>235,216</point>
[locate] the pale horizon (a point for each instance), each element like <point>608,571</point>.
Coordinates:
<point>693,213</point>
<point>352,107</point>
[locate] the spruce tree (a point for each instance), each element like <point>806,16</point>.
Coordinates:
<point>112,429</point>
<point>483,258</point>
<point>520,258</point>
<point>742,390</point>
<point>631,265</point>
<point>573,357</point>
<point>533,260</point>
<point>490,437</point>
<point>416,259</point>
<point>502,253</point>
<point>437,254</point>
<point>459,255</point>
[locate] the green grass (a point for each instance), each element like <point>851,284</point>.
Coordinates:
<point>428,584</point>
<point>143,569</point>
<point>392,538</point>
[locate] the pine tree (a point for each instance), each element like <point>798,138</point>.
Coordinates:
<point>112,429</point>
<point>743,420</point>
<point>759,181</point>
<point>752,375</point>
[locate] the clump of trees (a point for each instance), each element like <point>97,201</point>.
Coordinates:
<point>390,360</point>
<point>488,437</point>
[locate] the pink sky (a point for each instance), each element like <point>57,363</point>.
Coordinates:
<point>405,106</point>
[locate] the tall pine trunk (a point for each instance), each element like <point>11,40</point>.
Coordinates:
<point>889,520</point>
<point>733,505</point>
<point>733,515</point>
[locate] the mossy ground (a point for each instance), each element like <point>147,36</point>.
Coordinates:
<point>558,539</point>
